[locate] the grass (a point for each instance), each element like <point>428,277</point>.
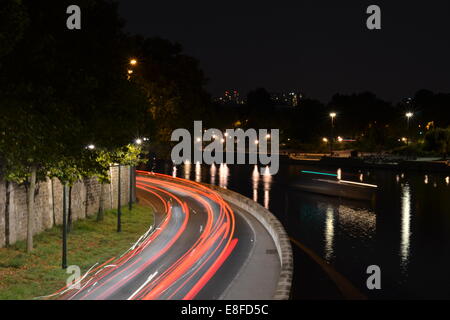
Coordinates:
<point>26,276</point>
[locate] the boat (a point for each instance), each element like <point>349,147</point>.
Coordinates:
<point>337,188</point>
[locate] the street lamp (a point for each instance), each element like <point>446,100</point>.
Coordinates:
<point>332,116</point>
<point>133,62</point>
<point>408,117</point>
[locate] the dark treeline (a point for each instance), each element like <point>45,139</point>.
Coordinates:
<point>375,124</point>
<point>74,102</point>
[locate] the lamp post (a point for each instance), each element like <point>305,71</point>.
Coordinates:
<point>132,171</point>
<point>64,231</point>
<point>332,116</point>
<point>130,198</point>
<point>408,117</point>
<point>133,63</point>
<point>119,203</point>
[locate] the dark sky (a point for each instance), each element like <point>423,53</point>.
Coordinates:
<point>316,47</point>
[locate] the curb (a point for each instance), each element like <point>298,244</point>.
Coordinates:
<point>275,229</point>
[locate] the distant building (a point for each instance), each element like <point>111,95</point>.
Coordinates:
<point>229,97</point>
<point>290,99</point>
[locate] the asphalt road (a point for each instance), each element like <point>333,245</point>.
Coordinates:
<point>194,250</point>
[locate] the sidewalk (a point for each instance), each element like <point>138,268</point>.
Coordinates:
<point>258,279</point>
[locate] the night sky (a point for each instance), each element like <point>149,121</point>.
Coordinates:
<point>316,47</point>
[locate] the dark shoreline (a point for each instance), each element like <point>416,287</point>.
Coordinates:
<point>355,163</point>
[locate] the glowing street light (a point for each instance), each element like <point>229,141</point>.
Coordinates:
<point>408,115</point>
<point>256,141</point>
<point>332,116</point>
<point>133,62</point>
<point>138,141</point>
<point>268,136</point>
<point>325,140</point>
<point>91,147</point>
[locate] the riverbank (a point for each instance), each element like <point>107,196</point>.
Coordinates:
<point>26,276</point>
<point>358,163</point>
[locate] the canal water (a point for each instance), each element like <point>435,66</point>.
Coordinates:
<point>405,231</point>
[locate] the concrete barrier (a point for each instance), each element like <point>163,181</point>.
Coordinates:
<point>275,229</point>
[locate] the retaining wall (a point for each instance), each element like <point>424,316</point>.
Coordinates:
<point>275,229</point>
<point>49,203</point>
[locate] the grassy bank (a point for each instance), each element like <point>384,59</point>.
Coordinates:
<point>26,276</point>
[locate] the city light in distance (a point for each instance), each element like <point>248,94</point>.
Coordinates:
<point>409,114</point>
<point>133,62</point>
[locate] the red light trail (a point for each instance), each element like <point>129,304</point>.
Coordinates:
<point>155,267</point>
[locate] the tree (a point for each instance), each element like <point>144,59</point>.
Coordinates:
<point>259,105</point>
<point>438,140</point>
<point>128,155</point>
<point>12,17</point>
<point>62,90</point>
<point>173,83</point>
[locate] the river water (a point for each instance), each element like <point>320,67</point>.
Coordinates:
<point>405,231</point>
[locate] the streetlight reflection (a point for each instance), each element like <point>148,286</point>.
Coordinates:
<point>198,172</point>
<point>212,173</point>
<point>187,170</point>
<point>174,172</point>
<point>406,225</point>
<point>329,233</point>
<point>267,179</point>
<point>255,181</point>
<point>223,175</point>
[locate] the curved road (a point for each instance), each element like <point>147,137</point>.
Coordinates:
<point>195,250</point>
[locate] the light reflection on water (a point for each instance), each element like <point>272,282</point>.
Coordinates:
<point>212,173</point>
<point>406,225</point>
<point>267,179</point>
<point>187,170</point>
<point>223,175</point>
<point>329,234</point>
<point>406,232</point>
<point>198,172</point>
<point>255,183</point>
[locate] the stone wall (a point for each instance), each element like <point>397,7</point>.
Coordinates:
<point>85,199</point>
